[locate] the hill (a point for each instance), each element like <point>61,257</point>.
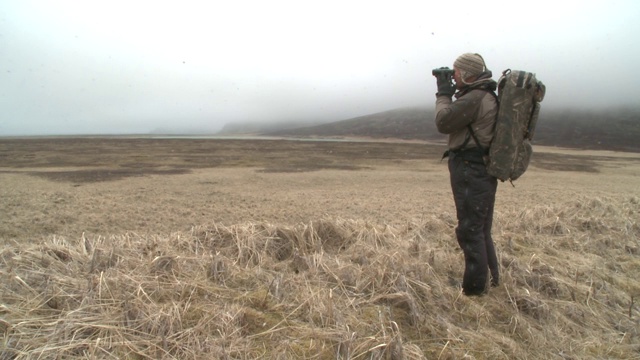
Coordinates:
<point>602,130</point>
<point>405,123</point>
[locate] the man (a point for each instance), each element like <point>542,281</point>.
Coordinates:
<point>469,121</point>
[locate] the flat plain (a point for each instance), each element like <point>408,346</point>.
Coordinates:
<point>67,186</point>
<point>567,233</point>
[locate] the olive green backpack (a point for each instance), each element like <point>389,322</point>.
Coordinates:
<point>519,97</point>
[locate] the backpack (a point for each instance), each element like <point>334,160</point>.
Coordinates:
<point>519,97</point>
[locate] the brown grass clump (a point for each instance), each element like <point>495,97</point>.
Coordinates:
<point>331,289</point>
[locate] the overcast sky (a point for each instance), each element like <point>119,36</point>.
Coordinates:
<point>134,66</point>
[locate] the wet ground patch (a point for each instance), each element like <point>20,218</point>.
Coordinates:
<point>98,175</point>
<point>563,162</point>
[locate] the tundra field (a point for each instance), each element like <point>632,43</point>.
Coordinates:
<point>139,248</point>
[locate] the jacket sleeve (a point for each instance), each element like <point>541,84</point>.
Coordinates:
<point>454,116</point>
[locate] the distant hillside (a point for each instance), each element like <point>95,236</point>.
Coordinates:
<point>610,130</point>
<point>406,123</point>
<point>606,130</point>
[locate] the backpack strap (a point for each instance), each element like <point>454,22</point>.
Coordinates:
<point>464,144</point>
<point>472,133</point>
<point>475,138</point>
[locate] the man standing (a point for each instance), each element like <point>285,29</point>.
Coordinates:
<point>469,121</point>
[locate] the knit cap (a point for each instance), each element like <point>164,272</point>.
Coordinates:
<point>470,63</point>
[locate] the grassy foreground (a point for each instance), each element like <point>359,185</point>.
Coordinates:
<point>331,289</point>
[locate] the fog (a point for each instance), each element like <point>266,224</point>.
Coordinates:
<point>80,67</point>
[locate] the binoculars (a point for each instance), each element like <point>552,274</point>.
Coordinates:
<point>442,71</point>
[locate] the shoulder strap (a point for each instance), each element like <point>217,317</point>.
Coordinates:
<point>475,138</point>
<point>472,133</point>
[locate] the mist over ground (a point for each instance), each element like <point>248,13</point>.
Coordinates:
<point>72,67</point>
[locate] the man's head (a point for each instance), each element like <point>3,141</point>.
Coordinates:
<point>467,68</point>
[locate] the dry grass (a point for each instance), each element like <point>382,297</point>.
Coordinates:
<point>327,272</point>
<point>331,289</point>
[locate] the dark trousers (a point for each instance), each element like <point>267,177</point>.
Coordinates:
<point>474,192</point>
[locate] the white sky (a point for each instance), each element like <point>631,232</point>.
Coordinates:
<point>135,66</point>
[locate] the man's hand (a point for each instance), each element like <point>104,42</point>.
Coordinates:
<point>445,85</point>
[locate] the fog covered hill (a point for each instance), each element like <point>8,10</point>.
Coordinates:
<point>405,123</point>
<point>611,129</point>
<point>606,129</point>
